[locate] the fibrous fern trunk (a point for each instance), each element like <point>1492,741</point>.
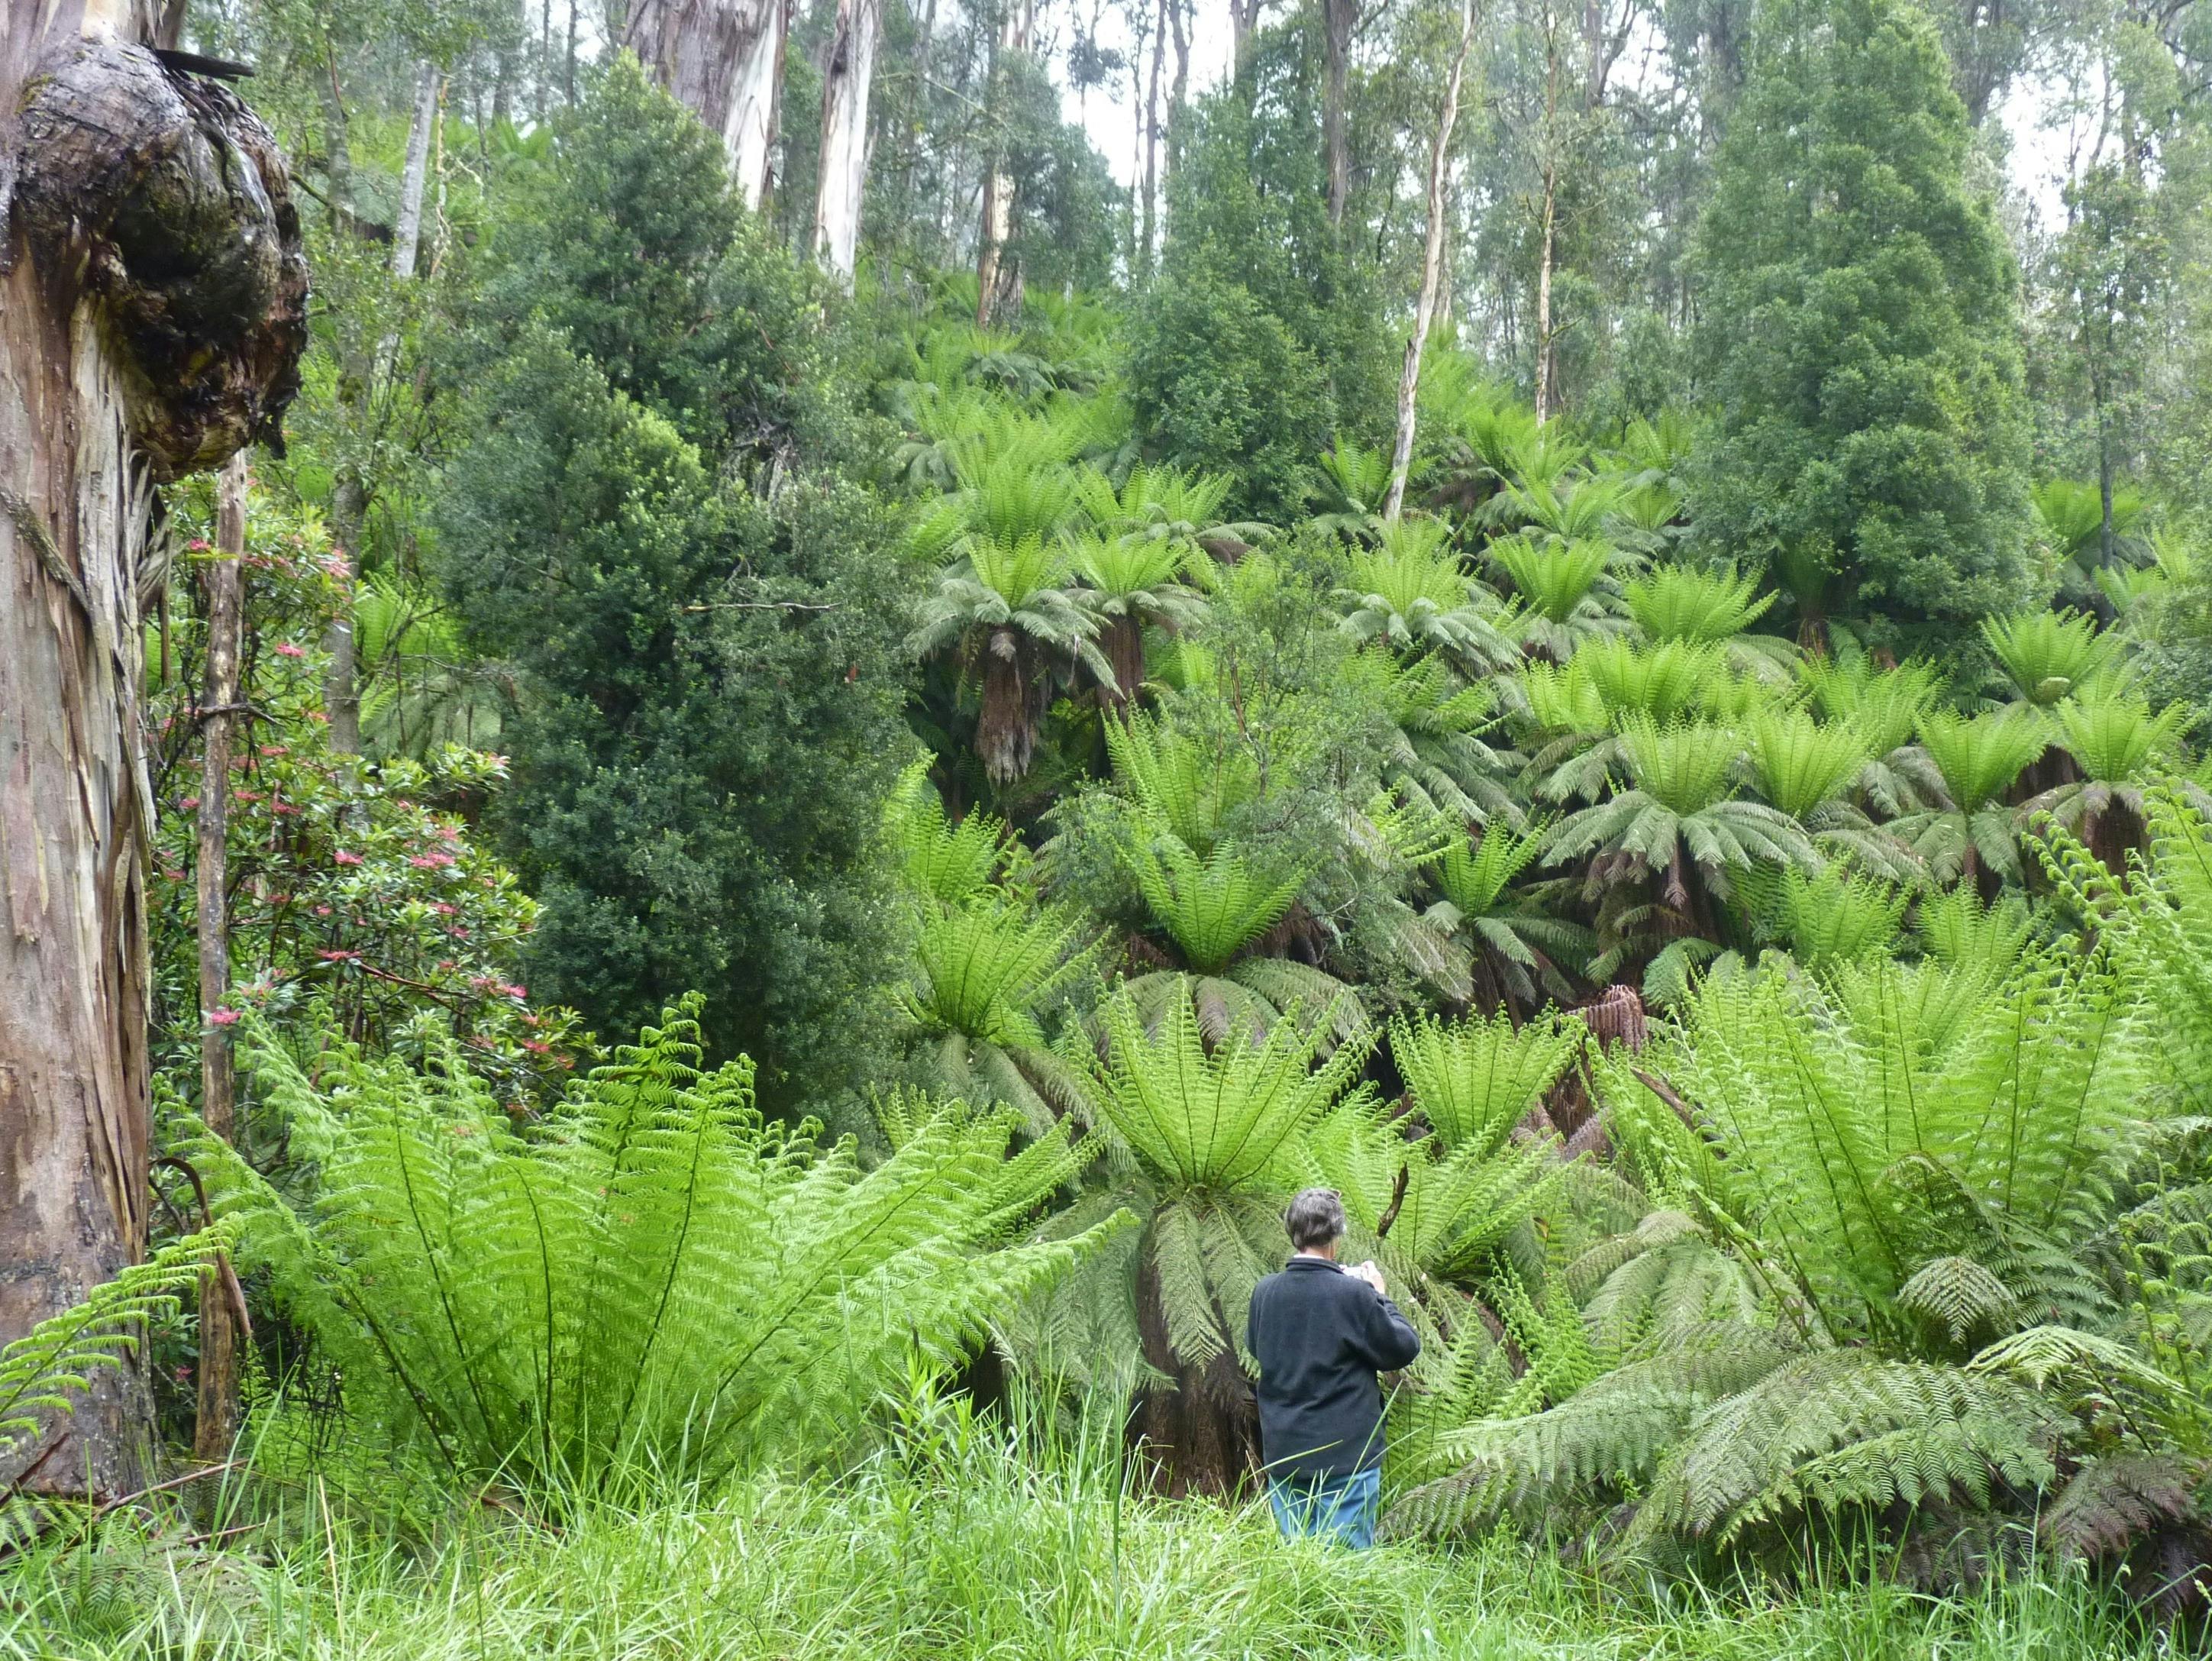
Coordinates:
<point>1201,1433</point>
<point>152,310</point>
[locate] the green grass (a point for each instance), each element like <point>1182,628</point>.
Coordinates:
<point>959,1542</point>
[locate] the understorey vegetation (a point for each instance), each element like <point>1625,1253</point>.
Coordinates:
<point>784,829</point>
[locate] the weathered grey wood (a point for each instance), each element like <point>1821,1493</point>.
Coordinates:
<point>724,60</point>
<point>847,74</point>
<point>152,310</point>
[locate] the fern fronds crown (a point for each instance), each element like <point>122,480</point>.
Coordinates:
<point>1557,579</point>
<point>1801,764</point>
<point>1663,683</point>
<point>1191,786</point>
<point>2048,654</point>
<point>1213,907</point>
<point>1475,1079</point>
<point>984,969</point>
<point>946,862</point>
<point>1885,705</point>
<point>1228,1119</point>
<point>1980,756</point>
<point>2113,735</point>
<point>1677,602</point>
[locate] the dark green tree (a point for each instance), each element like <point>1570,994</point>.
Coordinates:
<point>1862,325</point>
<point>701,615</point>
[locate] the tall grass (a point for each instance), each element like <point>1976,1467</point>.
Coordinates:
<point>962,1539</point>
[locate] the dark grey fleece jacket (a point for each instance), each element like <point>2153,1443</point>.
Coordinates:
<point>1321,1335</point>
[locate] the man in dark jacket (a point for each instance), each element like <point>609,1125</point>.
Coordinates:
<point>1320,1333</point>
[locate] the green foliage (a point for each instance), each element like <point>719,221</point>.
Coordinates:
<point>2047,654</point>
<point>1475,1080</point>
<point>1218,384</point>
<point>1861,327</point>
<point>653,1276</point>
<point>708,677</point>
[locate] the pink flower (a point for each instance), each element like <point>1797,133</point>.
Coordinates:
<point>189,803</point>
<point>516,991</point>
<point>322,911</point>
<point>342,857</point>
<point>538,1046</point>
<point>339,956</point>
<point>223,1017</point>
<point>197,545</point>
<point>319,716</point>
<point>285,648</point>
<point>445,911</point>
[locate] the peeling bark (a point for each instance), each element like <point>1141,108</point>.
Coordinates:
<point>723,60</point>
<point>152,310</point>
<point>844,169</point>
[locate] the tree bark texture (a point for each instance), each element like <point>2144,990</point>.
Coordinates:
<point>998,274</point>
<point>217,1418</point>
<point>723,60</point>
<point>1338,18</point>
<point>153,304</point>
<point>846,77</point>
<point>1432,266</point>
<point>1546,365</point>
<point>407,234</point>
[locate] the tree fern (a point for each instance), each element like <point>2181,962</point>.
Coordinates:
<point>1190,784</point>
<point>655,1274</point>
<point>1676,602</point>
<point>2048,654</point>
<point>1475,1080</point>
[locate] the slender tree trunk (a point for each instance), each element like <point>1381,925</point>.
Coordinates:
<point>1243,18</point>
<point>1432,265</point>
<point>1338,18</point>
<point>723,59</point>
<point>140,194</point>
<point>998,274</point>
<point>844,170</point>
<point>568,76</point>
<point>1546,393</point>
<point>218,1370</point>
<point>1179,95</point>
<point>544,59</point>
<point>407,233</point>
<point>1152,139</point>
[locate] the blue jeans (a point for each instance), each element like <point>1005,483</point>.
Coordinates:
<point>1340,1509</point>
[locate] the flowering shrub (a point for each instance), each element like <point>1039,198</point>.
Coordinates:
<point>356,887</point>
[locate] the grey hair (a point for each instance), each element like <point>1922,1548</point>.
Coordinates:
<point>1314,1218</point>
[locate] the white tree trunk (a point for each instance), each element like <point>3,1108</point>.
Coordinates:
<point>998,278</point>
<point>724,59</point>
<point>407,235</point>
<point>844,171</point>
<point>1432,266</point>
<point>96,407</point>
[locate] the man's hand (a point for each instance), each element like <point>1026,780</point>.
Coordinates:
<point>1369,1273</point>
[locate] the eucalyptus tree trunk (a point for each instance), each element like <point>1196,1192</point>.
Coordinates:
<point>153,304</point>
<point>407,233</point>
<point>1547,393</point>
<point>998,274</point>
<point>723,60</point>
<point>1338,19</point>
<point>1432,266</point>
<point>1152,140</point>
<point>218,1420</point>
<point>844,171</point>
